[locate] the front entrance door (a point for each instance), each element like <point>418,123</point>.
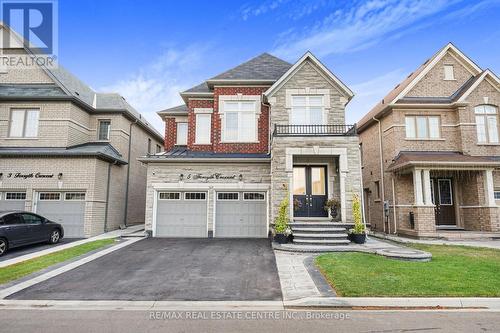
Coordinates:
<point>309,191</point>
<point>442,197</point>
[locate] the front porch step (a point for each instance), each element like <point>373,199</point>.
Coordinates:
<point>321,235</point>
<point>321,241</point>
<point>318,230</point>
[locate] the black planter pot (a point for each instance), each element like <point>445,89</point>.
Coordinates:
<point>333,212</point>
<point>358,238</point>
<point>281,238</point>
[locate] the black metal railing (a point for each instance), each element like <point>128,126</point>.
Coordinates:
<point>314,130</point>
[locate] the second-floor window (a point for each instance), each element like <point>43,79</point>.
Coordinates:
<point>24,123</point>
<point>182,134</point>
<point>149,146</point>
<point>240,122</point>
<point>422,127</point>
<point>203,128</point>
<point>307,110</point>
<point>486,123</point>
<point>104,130</point>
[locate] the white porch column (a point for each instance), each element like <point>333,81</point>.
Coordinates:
<point>417,187</point>
<point>427,187</point>
<point>343,201</point>
<point>489,188</point>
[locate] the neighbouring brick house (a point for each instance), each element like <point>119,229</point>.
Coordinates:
<point>243,141</point>
<point>431,150</point>
<point>67,152</point>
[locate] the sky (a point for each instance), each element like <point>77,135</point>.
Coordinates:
<point>149,50</point>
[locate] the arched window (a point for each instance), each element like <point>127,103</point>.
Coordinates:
<point>486,123</point>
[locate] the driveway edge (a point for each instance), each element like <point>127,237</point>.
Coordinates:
<point>72,265</point>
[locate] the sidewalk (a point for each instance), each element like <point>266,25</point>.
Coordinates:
<point>492,244</point>
<point>130,231</point>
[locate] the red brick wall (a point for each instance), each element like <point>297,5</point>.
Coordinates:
<point>170,133</point>
<point>263,124</point>
<point>216,145</point>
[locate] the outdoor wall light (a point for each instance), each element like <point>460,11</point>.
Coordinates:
<point>240,177</point>
<point>59,176</point>
<point>1,175</point>
<point>181,177</point>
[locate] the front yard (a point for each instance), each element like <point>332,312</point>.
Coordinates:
<point>453,271</point>
<point>16,271</point>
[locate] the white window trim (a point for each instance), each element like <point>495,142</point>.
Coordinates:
<point>196,139</point>
<point>428,137</point>
<point>308,106</point>
<point>237,196</point>
<point>23,136</point>
<point>307,92</point>
<point>6,199</point>
<point>485,116</point>
<point>185,194</point>
<point>161,199</point>
<point>99,130</point>
<point>177,133</point>
<point>40,194</point>
<point>452,72</point>
<point>84,195</point>
<point>240,98</point>
<point>451,192</point>
<point>254,199</point>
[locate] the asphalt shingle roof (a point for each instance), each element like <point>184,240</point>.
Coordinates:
<point>25,90</point>
<point>102,150</point>
<point>262,67</point>
<point>175,110</point>
<point>201,88</point>
<point>181,152</point>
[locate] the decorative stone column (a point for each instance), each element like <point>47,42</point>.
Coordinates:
<point>417,187</point>
<point>427,187</point>
<point>343,201</point>
<point>489,191</point>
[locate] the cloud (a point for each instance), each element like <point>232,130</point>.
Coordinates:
<point>157,84</point>
<point>359,26</point>
<point>294,10</point>
<point>369,93</point>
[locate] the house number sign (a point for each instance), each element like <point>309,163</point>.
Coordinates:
<point>213,176</point>
<point>29,175</point>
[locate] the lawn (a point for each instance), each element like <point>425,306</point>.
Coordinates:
<point>27,267</point>
<point>453,271</point>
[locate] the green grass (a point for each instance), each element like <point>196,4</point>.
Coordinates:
<point>27,267</point>
<point>453,271</point>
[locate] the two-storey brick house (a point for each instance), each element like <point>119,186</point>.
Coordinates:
<point>431,150</point>
<point>67,152</point>
<point>243,141</point>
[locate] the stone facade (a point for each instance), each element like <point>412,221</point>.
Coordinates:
<point>255,176</point>
<point>457,133</point>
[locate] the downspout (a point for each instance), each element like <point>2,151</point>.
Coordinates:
<point>394,206</point>
<point>270,134</point>
<point>382,182</point>
<point>107,198</point>
<point>128,172</point>
<point>362,190</point>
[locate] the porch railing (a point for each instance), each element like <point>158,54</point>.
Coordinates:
<point>314,130</point>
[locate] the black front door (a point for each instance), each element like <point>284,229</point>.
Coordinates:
<point>309,191</point>
<point>442,197</point>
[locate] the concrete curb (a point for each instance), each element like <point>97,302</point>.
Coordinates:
<point>111,234</point>
<point>492,303</point>
<point>23,285</point>
<point>144,305</point>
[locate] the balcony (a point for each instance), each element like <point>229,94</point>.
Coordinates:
<point>314,130</point>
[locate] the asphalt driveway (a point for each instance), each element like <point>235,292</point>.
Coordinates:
<point>170,269</point>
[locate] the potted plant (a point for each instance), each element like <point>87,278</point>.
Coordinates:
<point>281,229</point>
<point>333,206</point>
<point>358,233</point>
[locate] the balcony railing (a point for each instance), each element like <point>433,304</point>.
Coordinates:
<point>314,130</point>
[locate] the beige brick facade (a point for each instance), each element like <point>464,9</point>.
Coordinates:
<point>474,209</point>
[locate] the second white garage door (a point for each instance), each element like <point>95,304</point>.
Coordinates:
<point>181,214</point>
<point>241,214</point>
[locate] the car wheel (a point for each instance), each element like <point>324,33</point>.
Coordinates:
<point>3,246</point>
<point>55,236</point>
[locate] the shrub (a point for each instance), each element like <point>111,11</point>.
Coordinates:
<point>281,222</point>
<point>359,227</point>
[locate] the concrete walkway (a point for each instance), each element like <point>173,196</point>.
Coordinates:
<point>492,244</point>
<point>372,245</point>
<point>112,234</point>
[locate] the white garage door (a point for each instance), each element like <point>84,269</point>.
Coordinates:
<point>66,208</point>
<point>12,200</point>
<point>181,214</point>
<point>241,214</point>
